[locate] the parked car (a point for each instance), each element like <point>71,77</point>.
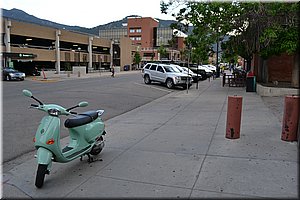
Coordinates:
<point>204,71</point>
<point>211,67</point>
<point>165,74</point>
<point>12,74</point>
<point>187,71</point>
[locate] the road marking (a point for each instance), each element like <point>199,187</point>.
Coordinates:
<point>144,85</point>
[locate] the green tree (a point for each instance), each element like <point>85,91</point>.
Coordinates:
<point>137,58</point>
<point>256,27</point>
<point>280,34</point>
<point>212,20</point>
<point>201,45</point>
<point>163,51</point>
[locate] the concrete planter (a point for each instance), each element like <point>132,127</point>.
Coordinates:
<point>275,91</point>
<point>79,70</point>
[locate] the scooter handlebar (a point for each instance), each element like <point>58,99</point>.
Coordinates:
<point>51,108</point>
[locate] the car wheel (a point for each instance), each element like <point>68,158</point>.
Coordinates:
<point>169,83</point>
<point>147,79</point>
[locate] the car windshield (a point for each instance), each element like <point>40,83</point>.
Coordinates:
<point>168,69</point>
<point>185,69</point>
<point>179,69</point>
<point>175,69</point>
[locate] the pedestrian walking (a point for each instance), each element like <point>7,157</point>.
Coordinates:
<point>113,71</point>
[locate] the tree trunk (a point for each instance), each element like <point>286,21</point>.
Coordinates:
<point>295,72</point>
<point>248,64</point>
<point>265,71</point>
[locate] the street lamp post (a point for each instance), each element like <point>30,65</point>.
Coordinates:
<point>217,60</point>
<point>114,59</point>
<point>79,56</point>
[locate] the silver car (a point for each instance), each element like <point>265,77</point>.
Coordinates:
<point>11,74</point>
<point>165,74</point>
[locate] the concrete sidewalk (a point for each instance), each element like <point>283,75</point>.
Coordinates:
<point>175,147</point>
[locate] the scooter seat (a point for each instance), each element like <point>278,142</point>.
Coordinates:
<point>81,119</point>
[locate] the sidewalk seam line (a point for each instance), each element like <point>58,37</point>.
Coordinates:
<point>201,166</point>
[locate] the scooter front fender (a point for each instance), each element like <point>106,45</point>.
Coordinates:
<point>44,156</point>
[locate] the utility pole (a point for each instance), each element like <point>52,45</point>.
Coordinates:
<point>217,60</point>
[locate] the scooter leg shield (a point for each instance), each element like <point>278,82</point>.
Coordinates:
<point>44,156</point>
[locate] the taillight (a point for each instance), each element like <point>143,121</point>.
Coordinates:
<point>51,141</point>
<point>33,139</point>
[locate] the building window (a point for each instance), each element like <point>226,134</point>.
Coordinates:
<point>131,30</point>
<point>139,30</point>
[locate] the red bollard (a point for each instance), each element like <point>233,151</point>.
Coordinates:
<point>234,114</point>
<point>290,118</point>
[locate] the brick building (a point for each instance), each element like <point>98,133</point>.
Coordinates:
<point>282,69</point>
<point>146,33</point>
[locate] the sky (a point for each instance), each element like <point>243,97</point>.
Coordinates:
<point>87,13</point>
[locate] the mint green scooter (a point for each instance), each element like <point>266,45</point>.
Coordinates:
<point>86,136</point>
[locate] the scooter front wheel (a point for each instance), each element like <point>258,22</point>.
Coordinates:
<point>40,175</point>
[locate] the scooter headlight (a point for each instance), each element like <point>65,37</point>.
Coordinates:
<point>53,112</point>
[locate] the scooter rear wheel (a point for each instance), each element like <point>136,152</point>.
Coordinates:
<point>40,175</point>
<point>98,146</point>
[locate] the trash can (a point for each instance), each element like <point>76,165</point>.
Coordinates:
<point>126,67</point>
<point>250,84</point>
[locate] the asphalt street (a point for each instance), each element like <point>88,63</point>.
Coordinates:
<point>115,95</point>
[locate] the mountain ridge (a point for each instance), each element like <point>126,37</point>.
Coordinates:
<point>21,15</point>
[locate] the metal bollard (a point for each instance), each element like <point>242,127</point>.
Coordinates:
<point>234,114</point>
<point>224,79</point>
<point>290,118</point>
<point>78,73</point>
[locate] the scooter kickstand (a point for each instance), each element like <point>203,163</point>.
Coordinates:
<point>90,160</point>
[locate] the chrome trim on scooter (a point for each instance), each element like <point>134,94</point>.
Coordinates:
<point>100,112</point>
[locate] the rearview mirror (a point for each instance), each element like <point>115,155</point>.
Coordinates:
<point>27,93</point>
<point>83,104</point>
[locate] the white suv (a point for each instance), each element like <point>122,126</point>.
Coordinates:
<point>165,74</point>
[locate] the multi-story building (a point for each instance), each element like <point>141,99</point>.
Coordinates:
<point>113,34</point>
<point>25,46</point>
<point>146,33</point>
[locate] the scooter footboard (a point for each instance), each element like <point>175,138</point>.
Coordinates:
<point>44,156</point>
